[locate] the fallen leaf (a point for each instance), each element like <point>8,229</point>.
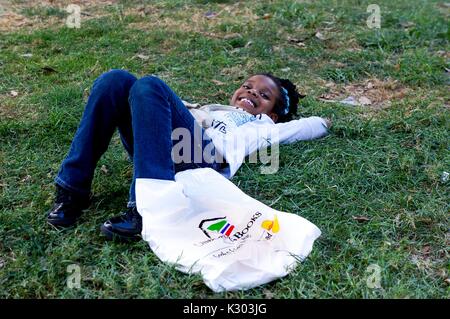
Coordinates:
<point>231,36</point>
<point>426,250</point>
<point>86,93</point>
<point>48,69</point>
<point>319,36</point>
<point>198,283</point>
<point>26,179</point>
<point>297,41</point>
<point>442,271</point>
<point>210,15</point>
<point>13,93</point>
<point>294,40</point>
<point>361,218</point>
<point>142,56</point>
<point>349,100</point>
<point>145,11</point>
<point>407,24</point>
<point>447,281</point>
<point>339,64</point>
<point>364,101</point>
<point>285,69</point>
<point>267,16</point>
<point>327,98</point>
<point>217,82</point>
<point>443,53</point>
<point>276,48</point>
<point>219,93</point>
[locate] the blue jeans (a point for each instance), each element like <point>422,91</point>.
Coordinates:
<point>145,112</point>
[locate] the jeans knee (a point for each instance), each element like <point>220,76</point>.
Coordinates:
<point>116,78</point>
<point>147,85</point>
<point>149,82</point>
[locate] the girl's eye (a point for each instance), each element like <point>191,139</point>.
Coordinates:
<point>264,95</point>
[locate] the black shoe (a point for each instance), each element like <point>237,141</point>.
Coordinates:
<point>67,208</point>
<point>125,227</point>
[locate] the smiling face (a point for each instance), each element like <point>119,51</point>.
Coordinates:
<point>257,95</point>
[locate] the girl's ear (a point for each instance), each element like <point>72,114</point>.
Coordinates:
<point>274,117</point>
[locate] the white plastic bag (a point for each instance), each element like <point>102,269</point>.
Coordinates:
<point>202,222</point>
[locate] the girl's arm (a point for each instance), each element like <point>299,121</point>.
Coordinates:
<point>307,128</point>
<point>260,134</point>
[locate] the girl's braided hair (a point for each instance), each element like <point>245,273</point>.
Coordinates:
<point>286,104</point>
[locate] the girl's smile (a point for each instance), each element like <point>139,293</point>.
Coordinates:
<point>257,95</point>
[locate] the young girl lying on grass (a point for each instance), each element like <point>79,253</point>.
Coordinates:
<point>146,113</point>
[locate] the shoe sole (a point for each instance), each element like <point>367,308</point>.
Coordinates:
<point>59,223</point>
<point>116,237</point>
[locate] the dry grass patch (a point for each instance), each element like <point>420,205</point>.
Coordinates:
<point>192,19</point>
<point>371,92</point>
<point>13,15</point>
<point>10,109</point>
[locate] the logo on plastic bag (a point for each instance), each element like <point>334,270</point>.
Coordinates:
<point>221,226</point>
<point>218,224</point>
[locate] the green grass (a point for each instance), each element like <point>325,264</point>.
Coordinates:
<point>382,163</point>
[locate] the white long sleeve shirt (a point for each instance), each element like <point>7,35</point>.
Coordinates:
<point>236,133</point>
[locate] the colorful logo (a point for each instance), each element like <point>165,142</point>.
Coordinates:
<point>271,225</point>
<point>219,224</point>
<point>224,228</point>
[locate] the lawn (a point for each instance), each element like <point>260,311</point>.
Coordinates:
<point>376,186</point>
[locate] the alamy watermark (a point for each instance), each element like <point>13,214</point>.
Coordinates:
<point>200,149</point>
<point>74,276</point>
<point>74,18</point>
<point>374,20</point>
<point>373,281</point>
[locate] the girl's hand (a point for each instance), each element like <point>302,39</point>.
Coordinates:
<point>328,122</point>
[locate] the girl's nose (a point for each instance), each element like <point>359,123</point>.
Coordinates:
<point>252,92</point>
